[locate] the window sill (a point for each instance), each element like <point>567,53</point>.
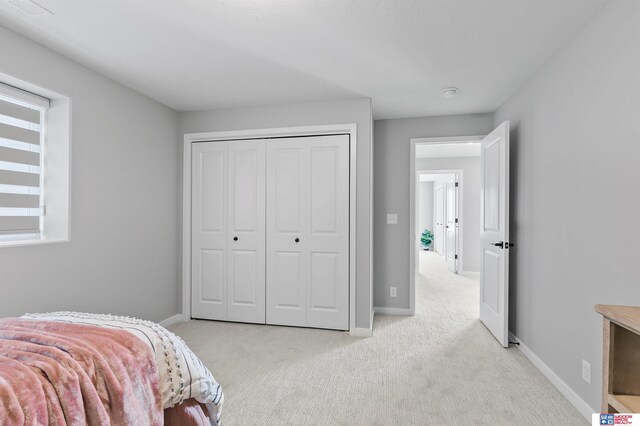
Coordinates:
<point>32,242</point>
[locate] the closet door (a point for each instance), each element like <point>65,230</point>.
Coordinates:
<point>308,231</point>
<point>209,231</point>
<point>246,227</point>
<point>228,234</point>
<point>328,233</point>
<point>287,210</point>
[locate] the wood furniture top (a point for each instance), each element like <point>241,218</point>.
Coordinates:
<point>626,316</point>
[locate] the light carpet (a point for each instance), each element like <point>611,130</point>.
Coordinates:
<point>439,367</point>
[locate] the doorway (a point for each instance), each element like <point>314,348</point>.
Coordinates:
<point>489,243</point>
<point>453,167</point>
<point>438,215</point>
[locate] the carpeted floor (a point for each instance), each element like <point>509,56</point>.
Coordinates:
<point>439,367</point>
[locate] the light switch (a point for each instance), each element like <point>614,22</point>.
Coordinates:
<point>392,219</point>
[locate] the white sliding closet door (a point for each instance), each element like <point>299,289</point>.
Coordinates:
<point>308,231</point>
<point>228,235</point>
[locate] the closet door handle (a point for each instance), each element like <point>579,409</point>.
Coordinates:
<point>235,238</point>
<point>297,240</point>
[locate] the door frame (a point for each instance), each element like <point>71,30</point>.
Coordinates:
<point>413,177</point>
<point>280,132</point>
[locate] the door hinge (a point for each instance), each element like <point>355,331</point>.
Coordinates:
<point>456,220</point>
<point>456,256</point>
<point>457,184</point>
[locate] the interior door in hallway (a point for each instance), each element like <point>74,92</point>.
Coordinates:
<point>308,231</point>
<point>494,233</point>
<point>451,225</point>
<point>438,196</point>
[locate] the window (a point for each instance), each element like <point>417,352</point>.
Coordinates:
<point>35,164</point>
<point>21,151</point>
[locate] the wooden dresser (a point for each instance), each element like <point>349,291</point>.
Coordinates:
<point>620,359</point>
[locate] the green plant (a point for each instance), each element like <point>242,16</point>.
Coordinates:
<point>427,238</point>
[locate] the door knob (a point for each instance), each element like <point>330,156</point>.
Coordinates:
<point>235,238</point>
<point>499,244</point>
<point>297,240</point>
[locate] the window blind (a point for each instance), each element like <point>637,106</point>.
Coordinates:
<point>21,136</point>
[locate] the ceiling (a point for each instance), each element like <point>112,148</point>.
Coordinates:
<point>209,54</point>
<point>447,150</point>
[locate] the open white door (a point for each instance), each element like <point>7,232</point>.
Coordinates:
<point>451,227</point>
<point>494,233</point>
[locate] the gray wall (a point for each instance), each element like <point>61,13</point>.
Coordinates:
<point>391,183</point>
<point>576,121</point>
<point>470,212</point>
<point>123,256</point>
<point>309,114</point>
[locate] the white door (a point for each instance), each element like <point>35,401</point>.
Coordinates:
<point>494,233</point>
<point>308,231</point>
<point>451,227</point>
<point>246,231</point>
<point>228,234</point>
<point>209,231</point>
<point>438,234</point>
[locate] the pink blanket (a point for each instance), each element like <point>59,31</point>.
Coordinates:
<point>70,374</point>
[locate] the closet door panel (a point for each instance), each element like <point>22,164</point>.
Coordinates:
<point>211,276</point>
<point>308,232</point>
<point>324,283</point>
<point>246,231</point>
<point>287,177</point>
<point>288,274</point>
<point>209,231</point>
<point>328,238</point>
<point>287,170</point>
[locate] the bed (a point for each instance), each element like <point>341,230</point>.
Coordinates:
<point>69,368</point>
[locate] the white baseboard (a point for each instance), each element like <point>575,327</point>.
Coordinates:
<point>171,320</point>
<point>575,400</point>
<point>361,332</point>
<point>392,311</point>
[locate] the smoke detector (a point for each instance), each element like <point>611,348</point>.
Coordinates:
<point>30,7</point>
<point>450,92</point>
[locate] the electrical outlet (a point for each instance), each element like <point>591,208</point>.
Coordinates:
<point>392,219</point>
<point>393,291</point>
<point>586,371</point>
